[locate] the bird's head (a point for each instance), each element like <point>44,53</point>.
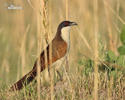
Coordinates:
<point>66,24</point>
<point>64,27</point>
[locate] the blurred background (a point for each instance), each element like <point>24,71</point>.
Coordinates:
<point>18,31</point>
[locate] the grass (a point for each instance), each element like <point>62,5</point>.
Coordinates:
<point>19,49</point>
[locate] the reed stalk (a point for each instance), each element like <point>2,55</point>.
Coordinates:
<point>96,50</point>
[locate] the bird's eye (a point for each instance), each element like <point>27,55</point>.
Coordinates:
<point>66,23</point>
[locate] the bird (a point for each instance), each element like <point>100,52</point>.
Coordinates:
<point>60,49</point>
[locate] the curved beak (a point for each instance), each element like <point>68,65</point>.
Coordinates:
<point>73,23</point>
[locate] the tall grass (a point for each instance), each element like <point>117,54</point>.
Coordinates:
<point>39,32</point>
<point>25,33</point>
<point>96,50</point>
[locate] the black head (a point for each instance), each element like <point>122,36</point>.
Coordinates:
<point>65,24</point>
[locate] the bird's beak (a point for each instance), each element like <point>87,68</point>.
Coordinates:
<point>73,23</point>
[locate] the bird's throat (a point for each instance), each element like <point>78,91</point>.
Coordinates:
<point>65,34</point>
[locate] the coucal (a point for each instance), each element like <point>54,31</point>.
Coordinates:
<point>60,48</point>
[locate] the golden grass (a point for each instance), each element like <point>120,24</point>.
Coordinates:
<point>96,54</point>
<point>39,43</point>
<point>23,33</point>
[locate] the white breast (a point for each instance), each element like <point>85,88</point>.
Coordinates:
<point>65,33</point>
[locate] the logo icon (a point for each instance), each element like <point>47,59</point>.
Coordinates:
<point>13,7</point>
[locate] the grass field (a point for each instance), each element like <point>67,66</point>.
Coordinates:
<point>96,66</point>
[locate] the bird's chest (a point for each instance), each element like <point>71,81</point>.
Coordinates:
<point>65,34</point>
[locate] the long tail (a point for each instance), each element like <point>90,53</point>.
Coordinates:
<point>25,80</point>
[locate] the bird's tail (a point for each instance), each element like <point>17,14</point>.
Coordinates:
<point>25,80</point>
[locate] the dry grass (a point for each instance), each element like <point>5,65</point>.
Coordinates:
<point>24,32</point>
<point>96,54</point>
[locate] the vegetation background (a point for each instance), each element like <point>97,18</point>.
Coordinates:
<point>96,69</point>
